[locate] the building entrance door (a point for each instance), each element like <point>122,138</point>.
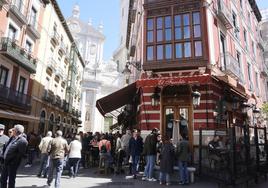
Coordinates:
<point>176,121</point>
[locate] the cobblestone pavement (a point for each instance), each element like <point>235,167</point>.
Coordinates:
<point>90,178</point>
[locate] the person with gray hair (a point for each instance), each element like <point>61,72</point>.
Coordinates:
<point>57,149</point>
<point>13,151</point>
<point>43,146</point>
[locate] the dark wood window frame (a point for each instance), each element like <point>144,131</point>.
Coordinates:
<point>2,69</point>
<point>173,40</point>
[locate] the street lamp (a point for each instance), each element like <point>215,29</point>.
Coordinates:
<point>127,73</point>
<point>196,98</point>
<point>155,97</point>
<point>245,107</point>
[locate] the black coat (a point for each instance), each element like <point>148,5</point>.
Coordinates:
<point>16,151</point>
<point>150,145</point>
<point>167,158</point>
<point>135,146</point>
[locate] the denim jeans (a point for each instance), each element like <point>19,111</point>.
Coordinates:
<point>135,162</point>
<point>44,164</point>
<point>9,173</point>
<point>58,164</point>
<point>31,153</point>
<point>149,168</point>
<point>74,164</point>
<point>164,177</point>
<point>184,175</point>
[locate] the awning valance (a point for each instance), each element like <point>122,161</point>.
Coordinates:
<point>117,99</point>
<point>180,80</point>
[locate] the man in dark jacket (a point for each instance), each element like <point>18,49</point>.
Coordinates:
<point>135,149</point>
<point>183,155</point>
<point>150,154</point>
<point>13,153</point>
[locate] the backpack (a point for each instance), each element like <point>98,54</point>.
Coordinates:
<point>103,148</point>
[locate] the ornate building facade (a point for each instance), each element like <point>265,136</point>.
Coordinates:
<point>100,77</point>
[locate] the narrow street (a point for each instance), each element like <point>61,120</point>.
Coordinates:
<point>90,178</point>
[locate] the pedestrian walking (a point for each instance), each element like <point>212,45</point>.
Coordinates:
<point>13,152</point>
<point>135,149</point>
<point>32,148</point>
<point>75,149</point>
<point>150,152</point>
<point>183,154</point>
<point>43,147</point>
<point>125,145</point>
<point>166,161</point>
<point>3,140</point>
<point>57,149</point>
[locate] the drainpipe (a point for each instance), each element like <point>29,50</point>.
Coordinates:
<point>207,103</point>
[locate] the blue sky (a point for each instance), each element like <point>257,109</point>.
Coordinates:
<point>107,12</point>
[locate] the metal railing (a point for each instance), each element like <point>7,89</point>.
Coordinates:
<point>55,37</point>
<point>62,47</point>
<point>9,96</point>
<point>19,10</point>
<point>224,14</point>
<point>231,66</point>
<point>32,26</point>
<point>19,55</point>
<point>52,64</point>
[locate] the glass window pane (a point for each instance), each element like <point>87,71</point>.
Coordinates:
<point>178,50</point>
<point>186,33</point>
<point>187,49</point>
<point>178,34</point>
<point>197,31</point>
<point>186,19</point>
<point>150,36</point>
<point>159,52</point>
<point>150,24</point>
<point>168,51</point>
<point>196,18</point>
<point>150,53</point>
<point>198,48</point>
<point>159,23</point>
<point>168,34</point>
<point>167,22</point>
<point>159,35</point>
<point>177,20</point>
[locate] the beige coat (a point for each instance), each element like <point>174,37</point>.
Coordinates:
<point>43,146</point>
<point>58,147</point>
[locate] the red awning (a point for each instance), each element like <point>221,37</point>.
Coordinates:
<point>117,99</point>
<point>180,80</point>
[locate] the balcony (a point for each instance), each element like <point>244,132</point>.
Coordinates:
<point>58,101</point>
<point>13,99</point>
<point>60,73</point>
<point>3,2</point>
<point>52,64</point>
<point>65,106</point>
<point>264,70</point>
<point>49,96</point>
<point>18,10</point>
<point>224,14</point>
<point>32,27</point>
<point>230,66</point>
<point>19,55</point>
<point>55,38</point>
<point>62,48</point>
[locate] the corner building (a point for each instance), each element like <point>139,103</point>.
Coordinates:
<point>212,47</point>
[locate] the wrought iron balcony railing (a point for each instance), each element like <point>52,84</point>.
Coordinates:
<point>19,55</point>
<point>224,14</point>
<point>55,37</point>
<point>231,66</point>
<point>19,10</point>
<point>52,64</point>
<point>32,27</point>
<point>14,98</point>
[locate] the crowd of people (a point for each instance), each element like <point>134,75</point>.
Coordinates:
<point>128,153</point>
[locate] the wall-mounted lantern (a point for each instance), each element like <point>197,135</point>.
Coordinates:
<point>155,97</point>
<point>196,98</point>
